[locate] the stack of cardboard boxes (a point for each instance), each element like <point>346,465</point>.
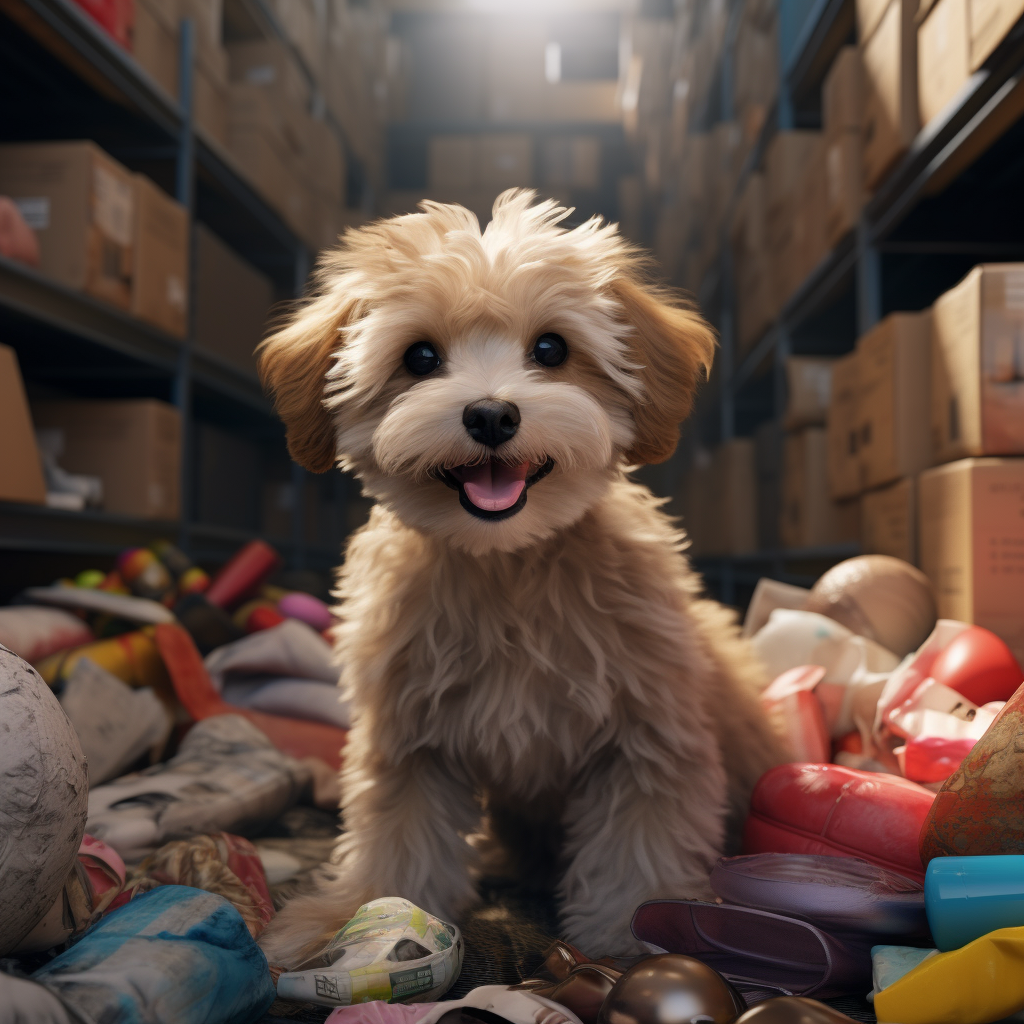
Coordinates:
<point>954,39</point>
<point>911,59</point>
<point>155,45</point>
<point>272,104</point>
<point>102,230</point>
<point>942,388</point>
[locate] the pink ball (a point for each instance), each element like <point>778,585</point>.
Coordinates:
<point>306,608</point>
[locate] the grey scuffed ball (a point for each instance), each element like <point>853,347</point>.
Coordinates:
<point>44,795</point>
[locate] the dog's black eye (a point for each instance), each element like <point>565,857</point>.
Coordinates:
<point>550,350</point>
<point>421,359</point>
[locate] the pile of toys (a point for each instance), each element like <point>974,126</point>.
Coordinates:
<point>154,717</point>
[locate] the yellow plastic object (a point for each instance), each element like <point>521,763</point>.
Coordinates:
<point>132,657</point>
<point>977,984</point>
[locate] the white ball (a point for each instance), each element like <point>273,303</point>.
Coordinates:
<point>44,795</point>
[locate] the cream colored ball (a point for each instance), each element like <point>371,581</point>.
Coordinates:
<point>882,598</point>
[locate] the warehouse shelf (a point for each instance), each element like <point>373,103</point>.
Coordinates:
<point>828,27</point>
<point>82,84</point>
<point>103,534</point>
<point>28,295</point>
<point>798,566</point>
<point>990,103</point>
<point>949,202</point>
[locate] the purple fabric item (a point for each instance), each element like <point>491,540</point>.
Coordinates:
<point>759,952</point>
<point>842,895</point>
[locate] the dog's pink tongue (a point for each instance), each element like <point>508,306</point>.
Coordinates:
<point>493,485</point>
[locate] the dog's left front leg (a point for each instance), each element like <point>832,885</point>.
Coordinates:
<point>405,823</point>
<point>647,823</point>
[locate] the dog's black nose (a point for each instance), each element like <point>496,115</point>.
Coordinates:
<point>490,422</point>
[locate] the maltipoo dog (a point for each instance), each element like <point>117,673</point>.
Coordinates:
<point>522,637</point>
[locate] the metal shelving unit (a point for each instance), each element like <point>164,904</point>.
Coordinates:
<point>949,202</point>
<point>78,83</point>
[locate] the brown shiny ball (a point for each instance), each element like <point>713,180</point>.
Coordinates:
<point>671,989</point>
<point>793,1010</point>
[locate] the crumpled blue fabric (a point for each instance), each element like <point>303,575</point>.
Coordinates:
<point>175,955</point>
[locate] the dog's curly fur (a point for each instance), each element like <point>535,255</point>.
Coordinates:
<point>558,666</point>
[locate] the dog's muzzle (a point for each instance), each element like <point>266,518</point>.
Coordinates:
<point>494,489</point>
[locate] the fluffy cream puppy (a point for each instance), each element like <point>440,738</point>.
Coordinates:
<point>522,636</point>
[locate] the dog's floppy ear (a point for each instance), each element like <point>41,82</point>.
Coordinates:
<point>293,364</point>
<point>673,347</point>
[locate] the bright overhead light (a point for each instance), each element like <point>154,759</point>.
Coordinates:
<point>553,62</point>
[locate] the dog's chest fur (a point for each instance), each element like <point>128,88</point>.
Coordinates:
<point>517,667</point>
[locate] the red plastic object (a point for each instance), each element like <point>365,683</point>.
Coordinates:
<point>117,17</point>
<point>790,702</point>
<point>835,811</point>
<point>934,758</point>
<point>196,692</point>
<point>262,617</point>
<point>979,666</point>
<point>243,575</point>
<point>104,868</point>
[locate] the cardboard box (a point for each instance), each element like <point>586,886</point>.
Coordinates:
<point>970,517</point>
<point>453,161</point>
<point>696,500</point>
<point>270,65</point>
<point>505,161</point>
<point>80,203</point>
<point>325,168</point>
<point>808,391</point>
<point>757,301</point>
<point>233,301</point>
<point>977,405</point>
<point>843,463</point>
<point>228,469</point>
<point>296,205</point>
<point>208,17</point>
<point>734,498</point>
<point>844,185</point>
<point>133,445</point>
<point>893,399</point>
<point>810,517</point>
<point>572,161</point>
<point>21,472</point>
<point>890,90</point>
<point>261,163</point>
<point>810,242</point>
<point>155,42</point>
<point>768,439</point>
<point>943,56</point>
<point>326,223</point>
<point>210,99</point>
<point>888,519</point>
<point>842,94</point>
<point>786,161</point>
<point>869,13</point>
<point>305,24</point>
<point>160,293</point>
<point>990,21</point>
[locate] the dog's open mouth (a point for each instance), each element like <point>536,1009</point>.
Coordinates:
<point>494,489</point>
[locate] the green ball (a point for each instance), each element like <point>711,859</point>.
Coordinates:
<point>90,578</point>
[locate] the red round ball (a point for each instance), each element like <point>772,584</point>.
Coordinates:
<point>979,666</point>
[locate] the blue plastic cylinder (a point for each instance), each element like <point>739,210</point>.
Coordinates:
<point>967,897</point>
